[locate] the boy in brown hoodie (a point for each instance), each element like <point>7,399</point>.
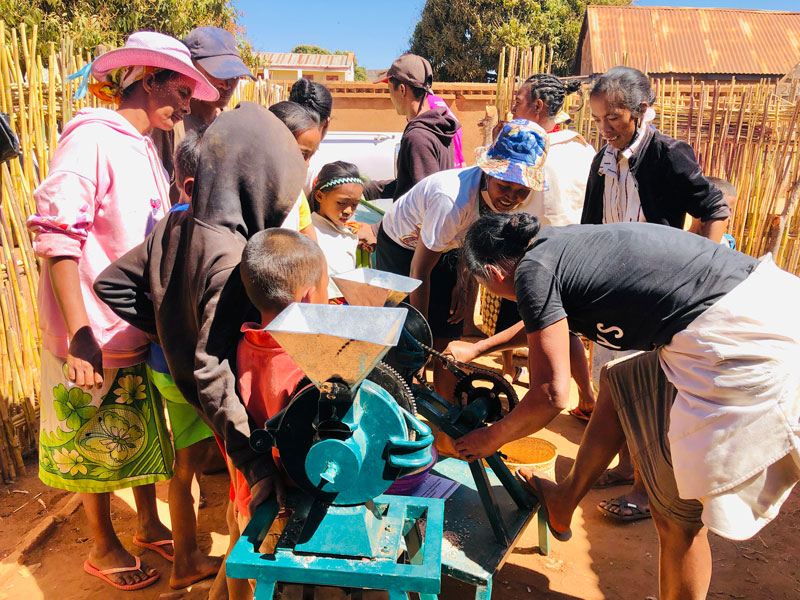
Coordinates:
<point>182,285</point>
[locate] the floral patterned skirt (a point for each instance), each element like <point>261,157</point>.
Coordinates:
<point>104,439</point>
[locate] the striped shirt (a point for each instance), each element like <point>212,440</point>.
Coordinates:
<point>621,202</point>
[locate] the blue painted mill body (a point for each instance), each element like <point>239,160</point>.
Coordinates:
<point>345,441</point>
<point>326,542</point>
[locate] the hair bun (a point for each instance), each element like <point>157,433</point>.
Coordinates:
<point>312,95</point>
<point>521,228</point>
<point>301,89</point>
<point>572,86</point>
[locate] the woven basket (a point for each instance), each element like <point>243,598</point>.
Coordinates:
<point>532,452</point>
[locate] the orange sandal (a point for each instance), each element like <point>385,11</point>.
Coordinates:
<point>581,414</point>
<point>104,575</point>
<point>156,547</point>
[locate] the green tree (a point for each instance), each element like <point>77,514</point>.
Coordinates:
<point>359,73</point>
<point>91,23</point>
<point>310,49</point>
<point>463,38</point>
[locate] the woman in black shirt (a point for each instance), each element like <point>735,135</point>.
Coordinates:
<point>725,333</point>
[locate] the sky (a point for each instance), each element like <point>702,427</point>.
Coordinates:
<point>378,30</point>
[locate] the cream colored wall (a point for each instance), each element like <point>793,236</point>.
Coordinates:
<point>318,76</point>
<point>367,107</point>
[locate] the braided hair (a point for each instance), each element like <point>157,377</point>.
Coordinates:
<point>550,90</point>
<point>314,96</point>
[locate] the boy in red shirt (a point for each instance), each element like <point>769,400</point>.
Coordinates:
<point>278,267</point>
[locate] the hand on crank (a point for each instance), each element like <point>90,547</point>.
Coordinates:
<point>462,351</point>
<point>84,366</point>
<point>477,444</point>
<point>263,490</point>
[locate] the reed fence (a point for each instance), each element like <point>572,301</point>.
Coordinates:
<point>742,132</point>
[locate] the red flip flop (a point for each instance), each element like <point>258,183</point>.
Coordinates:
<point>104,575</point>
<point>580,414</point>
<point>156,547</point>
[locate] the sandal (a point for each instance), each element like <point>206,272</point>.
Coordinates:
<point>104,575</point>
<point>612,479</point>
<point>156,547</point>
<point>637,514</point>
<point>580,414</point>
<point>535,490</point>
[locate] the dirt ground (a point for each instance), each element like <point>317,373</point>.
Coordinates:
<point>603,559</point>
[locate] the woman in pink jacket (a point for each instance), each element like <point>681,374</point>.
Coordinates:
<point>102,429</point>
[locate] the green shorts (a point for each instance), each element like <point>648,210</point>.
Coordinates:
<point>184,421</point>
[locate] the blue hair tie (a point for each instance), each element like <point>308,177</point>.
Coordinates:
<point>84,73</point>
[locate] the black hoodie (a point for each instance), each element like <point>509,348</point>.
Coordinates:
<point>425,148</point>
<point>183,285</point>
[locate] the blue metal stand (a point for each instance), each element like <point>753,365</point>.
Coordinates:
<point>404,554</point>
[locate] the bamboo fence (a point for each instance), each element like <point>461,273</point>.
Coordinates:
<point>516,65</point>
<point>742,132</point>
<point>36,92</point>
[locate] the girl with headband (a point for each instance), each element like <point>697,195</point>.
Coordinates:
<point>337,192</point>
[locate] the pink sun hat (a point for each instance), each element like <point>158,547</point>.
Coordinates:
<point>151,49</point>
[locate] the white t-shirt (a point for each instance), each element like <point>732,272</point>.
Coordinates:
<point>339,245</point>
<point>566,171</point>
<point>438,210</point>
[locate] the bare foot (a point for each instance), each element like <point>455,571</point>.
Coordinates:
<point>155,532</point>
<point>118,558</point>
<point>196,568</point>
<point>586,403</point>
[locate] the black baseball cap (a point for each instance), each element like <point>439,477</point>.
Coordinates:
<point>214,49</point>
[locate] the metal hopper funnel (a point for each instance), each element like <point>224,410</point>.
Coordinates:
<point>370,287</point>
<point>344,342</point>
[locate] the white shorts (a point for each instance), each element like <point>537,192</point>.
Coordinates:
<point>735,416</point>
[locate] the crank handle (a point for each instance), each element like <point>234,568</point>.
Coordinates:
<point>407,454</point>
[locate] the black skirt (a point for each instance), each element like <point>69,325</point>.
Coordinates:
<point>394,258</point>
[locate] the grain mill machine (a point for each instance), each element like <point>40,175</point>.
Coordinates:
<point>349,434</point>
<point>343,440</point>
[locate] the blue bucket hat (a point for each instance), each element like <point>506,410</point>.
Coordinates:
<point>518,154</point>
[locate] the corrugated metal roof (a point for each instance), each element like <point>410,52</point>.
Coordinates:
<point>689,40</point>
<point>293,60</point>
